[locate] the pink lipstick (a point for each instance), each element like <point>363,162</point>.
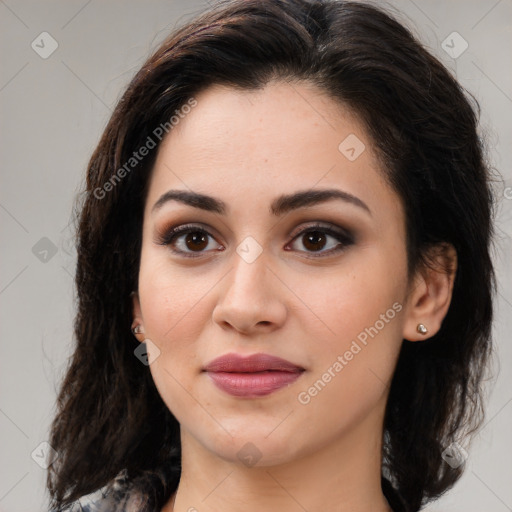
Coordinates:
<point>252,376</point>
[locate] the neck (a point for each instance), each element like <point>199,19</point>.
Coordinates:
<point>344,475</point>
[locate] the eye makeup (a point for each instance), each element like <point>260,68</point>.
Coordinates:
<point>183,239</point>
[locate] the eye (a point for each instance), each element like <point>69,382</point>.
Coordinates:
<point>187,240</point>
<point>192,241</point>
<point>323,240</point>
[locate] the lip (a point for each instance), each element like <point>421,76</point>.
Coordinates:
<point>249,364</point>
<point>252,376</point>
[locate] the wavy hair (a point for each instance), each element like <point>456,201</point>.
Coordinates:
<point>110,418</point>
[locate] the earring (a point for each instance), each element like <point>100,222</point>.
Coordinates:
<point>422,329</point>
<point>137,329</point>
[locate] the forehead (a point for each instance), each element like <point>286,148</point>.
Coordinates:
<point>241,145</point>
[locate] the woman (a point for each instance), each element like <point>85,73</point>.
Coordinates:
<point>284,282</point>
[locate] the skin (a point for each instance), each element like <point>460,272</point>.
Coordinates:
<point>247,148</point>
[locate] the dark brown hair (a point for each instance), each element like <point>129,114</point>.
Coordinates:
<point>110,417</point>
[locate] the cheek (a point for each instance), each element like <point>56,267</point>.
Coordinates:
<point>351,374</point>
<point>171,299</point>
<point>359,332</point>
<point>344,302</point>
<point>175,311</point>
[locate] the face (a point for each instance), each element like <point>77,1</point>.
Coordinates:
<point>318,280</point>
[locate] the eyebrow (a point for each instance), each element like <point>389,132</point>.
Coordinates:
<point>281,205</point>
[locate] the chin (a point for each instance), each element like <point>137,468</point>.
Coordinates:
<point>253,445</point>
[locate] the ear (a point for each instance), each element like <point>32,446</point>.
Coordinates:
<point>137,317</point>
<point>430,293</point>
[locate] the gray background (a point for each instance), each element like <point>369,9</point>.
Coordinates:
<point>53,111</point>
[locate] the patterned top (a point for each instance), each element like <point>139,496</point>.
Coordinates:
<point>104,504</point>
<point>119,498</point>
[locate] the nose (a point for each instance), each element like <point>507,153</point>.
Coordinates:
<point>251,299</point>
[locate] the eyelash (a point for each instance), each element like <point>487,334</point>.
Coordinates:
<point>345,239</point>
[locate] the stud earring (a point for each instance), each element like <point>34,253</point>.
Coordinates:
<point>137,329</point>
<point>422,329</point>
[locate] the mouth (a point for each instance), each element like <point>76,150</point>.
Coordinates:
<point>253,376</point>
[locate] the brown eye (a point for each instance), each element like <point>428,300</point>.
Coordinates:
<point>322,240</point>
<point>196,241</point>
<point>317,241</point>
<point>314,240</point>
<point>189,241</point>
